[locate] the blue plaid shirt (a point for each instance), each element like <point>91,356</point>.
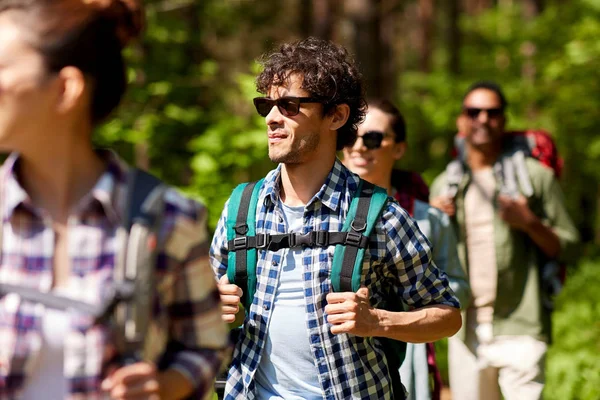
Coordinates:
<point>398,259</point>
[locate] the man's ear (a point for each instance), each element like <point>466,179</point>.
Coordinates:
<point>72,89</point>
<point>339,116</point>
<point>399,150</point>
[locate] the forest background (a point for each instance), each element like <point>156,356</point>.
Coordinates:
<point>188,116</point>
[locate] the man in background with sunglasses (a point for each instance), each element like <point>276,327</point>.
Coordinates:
<point>507,228</point>
<point>381,142</point>
<point>300,339</point>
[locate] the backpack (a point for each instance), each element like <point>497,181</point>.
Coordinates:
<point>512,173</point>
<point>131,296</point>
<point>350,245</point>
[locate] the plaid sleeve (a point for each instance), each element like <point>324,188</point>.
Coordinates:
<point>193,304</point>
<point>218,249</point>
<point>406,255</point>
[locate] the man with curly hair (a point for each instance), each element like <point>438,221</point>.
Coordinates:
<point>300,339</point>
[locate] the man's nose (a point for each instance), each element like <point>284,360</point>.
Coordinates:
<point>483,116</point>
<point>359,144</point>
<point>274,116</point>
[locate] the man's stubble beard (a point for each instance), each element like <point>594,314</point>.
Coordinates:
<point>298,150</point>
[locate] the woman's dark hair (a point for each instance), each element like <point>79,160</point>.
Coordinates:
<point>397,120</point>
<point>328,73</point>
<point>88,35</point>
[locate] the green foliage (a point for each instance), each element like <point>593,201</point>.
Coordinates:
<point>573,370</point>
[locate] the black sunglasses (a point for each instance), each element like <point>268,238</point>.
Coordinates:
<point>372,139</point>
<point>287,105</point>
<point>473,112</point>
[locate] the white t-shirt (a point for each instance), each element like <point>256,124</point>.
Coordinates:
<point>287,369</point>
<point>47,380</point>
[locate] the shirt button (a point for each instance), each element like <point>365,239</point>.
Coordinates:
<point>274,263</point>
<point>280,219</point>
<point>266,307</point>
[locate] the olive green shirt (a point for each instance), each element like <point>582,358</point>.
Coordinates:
<point>518,308</point>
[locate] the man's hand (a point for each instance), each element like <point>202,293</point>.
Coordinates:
<point>444,203</point>
<point>136,381</point>
<point>516,212</point>
<point>352,313</point>
<point>230,298</point>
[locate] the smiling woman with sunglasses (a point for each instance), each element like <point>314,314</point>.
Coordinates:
<point>376,149</point>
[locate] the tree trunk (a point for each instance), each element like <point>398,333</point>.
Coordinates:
<point>366,18</point>
<point>454,37</point>
<point>322,11</point>
<point>426,20</point>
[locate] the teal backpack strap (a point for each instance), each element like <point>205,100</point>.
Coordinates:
<point>241,223</point>
<point>364,212</point>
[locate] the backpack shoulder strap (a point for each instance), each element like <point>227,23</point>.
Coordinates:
<point>511,172</point>
<point>365,209</point>
<point>522,173</point>
<point>241,223</point>
<point>135,267</point>
<point>455,171</point>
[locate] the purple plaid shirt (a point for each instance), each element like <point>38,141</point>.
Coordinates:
<point>186,316</point>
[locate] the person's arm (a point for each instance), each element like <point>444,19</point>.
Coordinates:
<point>198,339</point>
<point>517,214</point>
<point>194,310</point>
<point>405,256</point>
<point>554,233</point>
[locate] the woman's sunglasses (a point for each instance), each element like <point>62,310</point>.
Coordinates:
<point>288,106</point>
<point>473,112</point>
<point>372,139</point>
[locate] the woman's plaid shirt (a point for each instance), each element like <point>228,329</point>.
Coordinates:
<point>398,259</point>
<point>187,312</point>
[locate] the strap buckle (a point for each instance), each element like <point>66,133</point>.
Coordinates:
<point>299,239</point>
<point>241,229</point>
<point>262,240</point>
<point>360,228</point>
<point>353,239</point>
<point>240,243</point>
<point>322,238</point>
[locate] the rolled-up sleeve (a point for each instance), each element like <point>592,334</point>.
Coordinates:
<point>218,249</point>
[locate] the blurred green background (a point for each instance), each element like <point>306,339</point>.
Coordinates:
<point>188,115</point>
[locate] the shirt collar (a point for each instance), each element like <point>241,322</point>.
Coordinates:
<point>104,192</point>
<point>330,194</point>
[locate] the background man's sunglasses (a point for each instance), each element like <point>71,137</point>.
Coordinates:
<point>287,105</point>
<point>473,112</point>
<point>372,139</point>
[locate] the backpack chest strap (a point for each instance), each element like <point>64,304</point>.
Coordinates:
<point>297,240</point>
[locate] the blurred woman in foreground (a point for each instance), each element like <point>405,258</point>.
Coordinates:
<point>62,202</point>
